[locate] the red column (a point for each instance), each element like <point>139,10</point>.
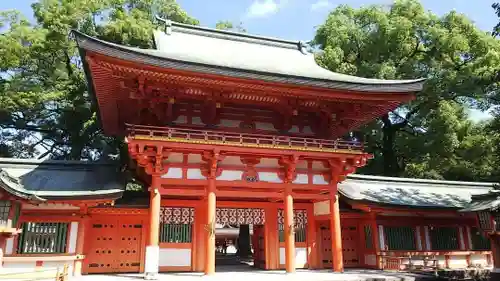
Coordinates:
<point>336,236</point>
<point>495,251</point>
<point>375,239</point>
<point>210,231</point>
<point>289,233</point>
<point>312,243</point>
<point>80,239</point>
<point>152,250</point>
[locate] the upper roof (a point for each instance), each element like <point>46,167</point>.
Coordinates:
<point>59,180</point>
<point>241,55</point>
<point>484,202</point>
<point>419,193</point>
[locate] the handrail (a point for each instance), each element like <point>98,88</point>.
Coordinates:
<point>259,140</point>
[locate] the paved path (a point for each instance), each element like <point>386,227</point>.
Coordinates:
<point>224,274</point>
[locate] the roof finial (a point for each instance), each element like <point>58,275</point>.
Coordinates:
<point>168,24</point>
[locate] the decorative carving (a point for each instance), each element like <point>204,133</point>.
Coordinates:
<point>177,215</point>
<point>233,216</point>
<point>289,164</point>
<point>299,218</point>
<point>250,174</point>
<point>212,158</point>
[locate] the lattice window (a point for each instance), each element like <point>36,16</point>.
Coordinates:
<point>400,237</point>
<point>4,212</point>
<point>368,237</point>
<point>43,238</point>
<point>176,215</point>
<point>175,233</point>
<point>300,222</point>
<point>479,241</point>
<point>444,238</point>
<point>236,216</point>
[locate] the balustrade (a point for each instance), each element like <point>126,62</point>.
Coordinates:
<point>231,138</point>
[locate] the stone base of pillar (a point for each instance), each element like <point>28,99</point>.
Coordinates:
<point>151,264</point>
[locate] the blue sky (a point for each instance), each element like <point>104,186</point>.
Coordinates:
<point>297,19</point>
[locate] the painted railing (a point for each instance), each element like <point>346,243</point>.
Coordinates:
<point>231,138</point>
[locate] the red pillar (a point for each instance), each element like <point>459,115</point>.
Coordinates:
<point>210,231</point>
<point>289,233</point>
<point>80,239</point>
<point>495,251</point>
<point>152,250</point>
<point>336,236</point>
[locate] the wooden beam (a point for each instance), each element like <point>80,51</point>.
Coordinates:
<point>182,192</point>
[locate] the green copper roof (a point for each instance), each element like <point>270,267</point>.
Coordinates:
<point>240,55</point>
<point>59,180</point>
<point>418,193</point>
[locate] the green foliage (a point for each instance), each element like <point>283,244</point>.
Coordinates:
<point>227,25</point>
<point>429,137</point>
<point>45,107</point>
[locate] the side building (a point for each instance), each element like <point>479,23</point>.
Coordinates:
<point>65,212</point>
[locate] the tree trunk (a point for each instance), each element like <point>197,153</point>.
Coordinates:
<point>391,167</point>
<point>244,248</point>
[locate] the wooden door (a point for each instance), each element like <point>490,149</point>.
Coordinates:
<point>326,245</point>
<point>113,244</point>
<point>350,243</point>
<point>259,247</point>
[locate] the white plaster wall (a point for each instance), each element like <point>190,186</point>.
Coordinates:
<point>264,126</point>
<point>381,235</point>
<point>45,206</point>
<point>319,179</point>
<point>322,208</point>
<point>458,262</point>
<point>9,246</point>
<point>175,257</point>
<point>73,234</point>
<point>268,163</point>
<point>173,173</point>
<point>269,177</point>
<point>20,267</point>
<point>301,179</point>
<point>302,164</point>
<point>228,175</point>
<point>175,157</point>
<point>195,174</point>
<point>231,160</point>
<point>371,260</point>
<point>427,238</point>
<point>196,121</point>
<point>181,119</point>
<point>481,260</point>
<point>441,261</point>
<point>230,123</point>
<point>194,158</point>
<point>307,130</point>
<point>294,129</point>
<point>461,237</point>
<point>14,267</point>
<point>318,166</point>
<point>300,257</point>
<point>419,240</point>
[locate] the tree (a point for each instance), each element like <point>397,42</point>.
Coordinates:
<point>496,28</point>
<point>404,42</point>
<point>227,25</point>
<point>45,106</point>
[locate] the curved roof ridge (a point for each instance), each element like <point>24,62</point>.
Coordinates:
<point>445,183</point>
<point>230,35</point>
<point>52,162</point>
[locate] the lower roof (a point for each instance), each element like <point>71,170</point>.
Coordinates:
<point>60,180</point>
<point>405,192</point>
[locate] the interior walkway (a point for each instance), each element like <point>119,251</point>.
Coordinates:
<point>235,273</point>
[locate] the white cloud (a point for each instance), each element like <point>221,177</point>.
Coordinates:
<point>262,8</point>
<point>319,5</point>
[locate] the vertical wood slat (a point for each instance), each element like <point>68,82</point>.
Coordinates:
<point>444,238</point>
<point>175,233</point>
<point>400,238</point>
<point>46,238</point>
